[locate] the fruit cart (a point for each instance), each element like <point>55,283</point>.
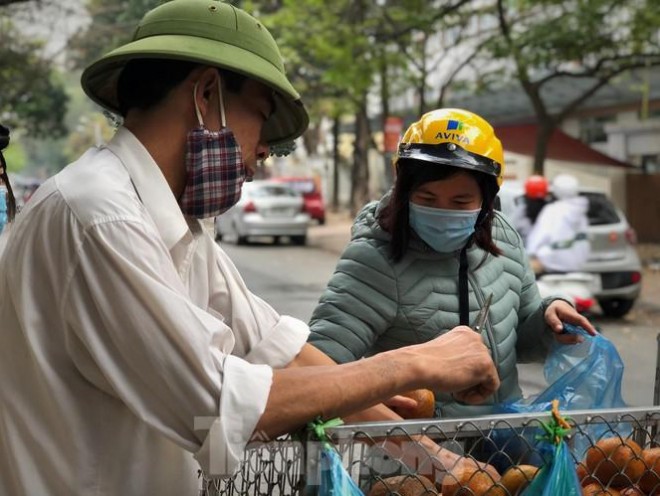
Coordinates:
<point>616,453</point>
<point>614,449</point>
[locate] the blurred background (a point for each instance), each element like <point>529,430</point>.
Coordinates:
<point>571,85</point>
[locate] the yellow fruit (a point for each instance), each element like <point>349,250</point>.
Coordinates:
<point>615,462</point>
<point>403,485</point>
<point>425,405</point>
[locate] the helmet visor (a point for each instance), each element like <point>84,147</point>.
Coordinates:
<point>449,154</point>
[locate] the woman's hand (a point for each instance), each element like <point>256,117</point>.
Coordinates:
<point>559,312</point>
<point>400,402</point>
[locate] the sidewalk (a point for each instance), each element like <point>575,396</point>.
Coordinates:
<point>334,235</point>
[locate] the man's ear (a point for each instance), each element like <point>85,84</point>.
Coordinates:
<point>207,82</point>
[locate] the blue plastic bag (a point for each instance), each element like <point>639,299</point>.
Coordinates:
<point>582,376</point>
<point>335,480</point>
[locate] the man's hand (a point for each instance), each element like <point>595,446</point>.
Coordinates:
<point>458,362</point>
<point>558,312</point>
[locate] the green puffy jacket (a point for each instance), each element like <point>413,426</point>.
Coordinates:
<point>373,305</point>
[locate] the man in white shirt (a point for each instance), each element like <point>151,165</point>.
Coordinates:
<point>131,351</point>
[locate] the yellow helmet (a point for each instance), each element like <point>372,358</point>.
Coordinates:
<point>454,137</point>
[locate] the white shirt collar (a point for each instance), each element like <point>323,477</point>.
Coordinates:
<point>151,186</point>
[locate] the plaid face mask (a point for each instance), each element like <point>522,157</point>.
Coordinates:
<point>214,167</point>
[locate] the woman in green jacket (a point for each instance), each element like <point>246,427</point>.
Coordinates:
<point>425,257</point>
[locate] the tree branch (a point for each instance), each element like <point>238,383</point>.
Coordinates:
<point>457,70</point>
<point>531,88</point>
<point>598,66</point>
<point>4,3</point>
<point>577,101</point>
<point>439,14</point>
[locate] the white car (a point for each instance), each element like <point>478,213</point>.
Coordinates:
<point>614,258</point>
<point>266,208</point>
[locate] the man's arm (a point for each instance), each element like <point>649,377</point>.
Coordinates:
<point>310,355</point>
<point>457,362</point>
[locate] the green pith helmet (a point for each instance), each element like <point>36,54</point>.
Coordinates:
<point>213,33</point>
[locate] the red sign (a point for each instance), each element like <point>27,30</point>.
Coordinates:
<point>392,133</point>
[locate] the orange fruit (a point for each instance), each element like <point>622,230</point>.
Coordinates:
<point>516,478</point>
<point>649,482</point>
<point>425,405</point>
<point>632,491</point>
<point>404,485</point>
<point>584,476</point>
<point>596,489</point>
<point>469,481</point>
<point>615,461</point>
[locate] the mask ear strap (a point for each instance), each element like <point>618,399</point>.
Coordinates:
<point>221,101</point>
<point>199,114</point>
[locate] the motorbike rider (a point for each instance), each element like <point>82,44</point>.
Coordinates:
<point>558,240</point>
<point>530,205</point>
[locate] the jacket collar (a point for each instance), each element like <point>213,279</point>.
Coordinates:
<point>151,186</point>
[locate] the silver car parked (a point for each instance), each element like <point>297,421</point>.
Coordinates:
<point>614,258</point>
<point>266,208</point>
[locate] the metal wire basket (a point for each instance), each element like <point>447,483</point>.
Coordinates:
<point>372,453</point>
<point>276,467</point>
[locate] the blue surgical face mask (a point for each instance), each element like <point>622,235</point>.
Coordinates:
<point>443,230</point>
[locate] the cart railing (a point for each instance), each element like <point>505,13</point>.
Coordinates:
<point>373,451</point>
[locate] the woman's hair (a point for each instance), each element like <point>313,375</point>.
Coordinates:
<point>145,82</point>
<point>411,174</point>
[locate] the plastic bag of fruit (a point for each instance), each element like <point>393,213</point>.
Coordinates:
<point>582,376</point>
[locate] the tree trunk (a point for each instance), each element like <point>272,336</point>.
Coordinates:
<point>311,139</point>
<point>360,173</point>
<point>421,89</point>
<point>385,112</point>
<point>543,133</point>
<point>336,163</point>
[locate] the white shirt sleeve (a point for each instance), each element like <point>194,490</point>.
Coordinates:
<point>262,335</point>
<point>133,332</point>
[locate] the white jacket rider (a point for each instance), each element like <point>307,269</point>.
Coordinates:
<point>558,239</point>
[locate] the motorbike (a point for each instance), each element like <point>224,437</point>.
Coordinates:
<point>578,287</point>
